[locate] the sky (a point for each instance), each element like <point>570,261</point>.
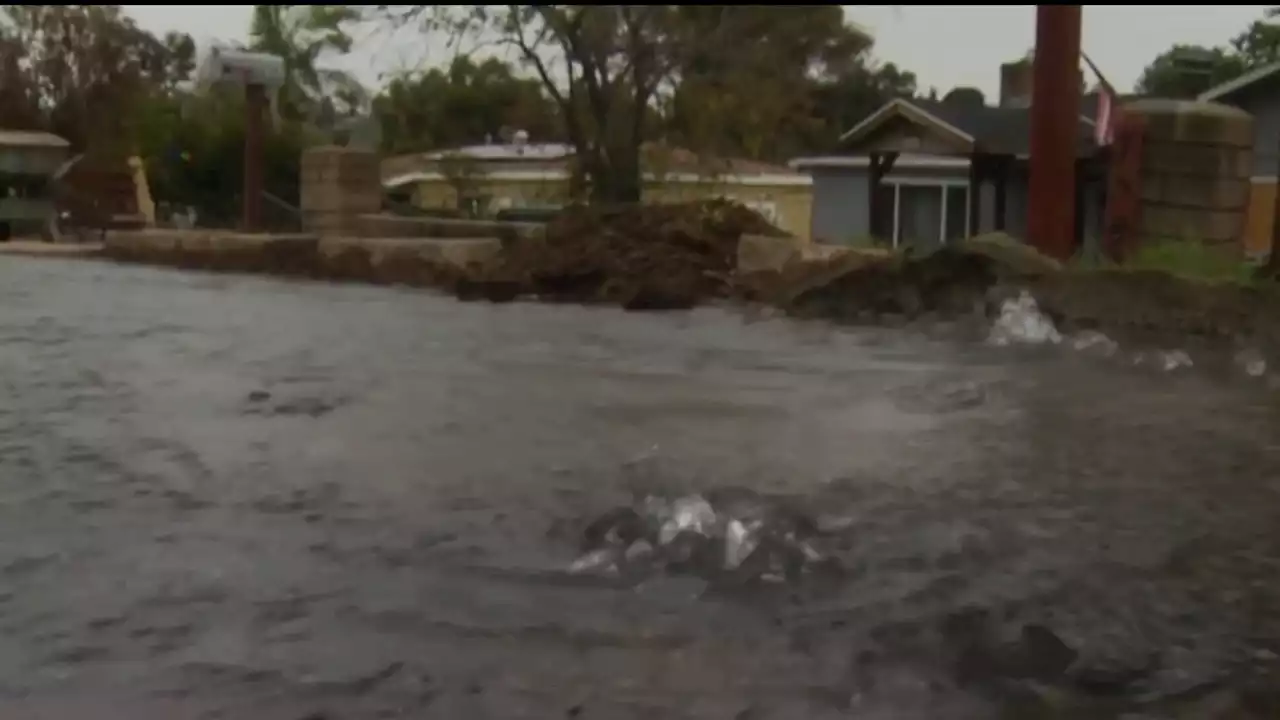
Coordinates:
<point>946,46</point>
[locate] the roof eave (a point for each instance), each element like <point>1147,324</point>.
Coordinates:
<point>1239,83</point>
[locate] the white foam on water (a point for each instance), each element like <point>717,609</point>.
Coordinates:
<point>1021,322</point>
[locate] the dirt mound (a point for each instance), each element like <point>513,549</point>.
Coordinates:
<point>643,257</point>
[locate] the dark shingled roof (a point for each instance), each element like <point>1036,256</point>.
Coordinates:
<point>1006,130</point>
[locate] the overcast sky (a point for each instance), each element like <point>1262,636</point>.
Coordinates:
<point>945,45</point>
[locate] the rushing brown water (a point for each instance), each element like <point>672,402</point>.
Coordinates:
<point>236,497</point>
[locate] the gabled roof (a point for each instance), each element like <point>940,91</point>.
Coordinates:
<point>1231,87</point>
<point>971,128</point>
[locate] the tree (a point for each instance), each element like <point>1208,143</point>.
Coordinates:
<point>755,96</point>
<point>78,70</point>
<point>607,67</point>
<point>1166,76</point>
<point>302,35</point>
<point>1259,43</point>
<point>193,147</point>
<point>600,64</point>
<point>965,97</point>
<point>467,103</point>
<point>848,98</point>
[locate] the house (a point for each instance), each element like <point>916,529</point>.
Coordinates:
<point>1258,93</point>
<point>919,172</point>
<point>490,177</point>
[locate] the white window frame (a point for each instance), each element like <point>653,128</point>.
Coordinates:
<point>942,184</point>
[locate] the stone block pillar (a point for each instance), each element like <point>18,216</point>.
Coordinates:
<point>338,185</point>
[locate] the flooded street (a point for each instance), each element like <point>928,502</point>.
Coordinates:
<point>241,497</point>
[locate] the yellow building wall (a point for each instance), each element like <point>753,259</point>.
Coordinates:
<point>442,194</point>
<point>1259,217</point>
<point>789,207</point>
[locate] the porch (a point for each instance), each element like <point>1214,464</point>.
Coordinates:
<point>979,178</point>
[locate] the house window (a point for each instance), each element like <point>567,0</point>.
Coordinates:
<point>928,212</point>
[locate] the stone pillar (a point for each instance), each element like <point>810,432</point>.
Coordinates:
<point>338,185</point>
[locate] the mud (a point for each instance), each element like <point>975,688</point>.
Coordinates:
<point>649,257</point>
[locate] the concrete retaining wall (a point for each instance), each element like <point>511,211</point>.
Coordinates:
<point>421,262</point>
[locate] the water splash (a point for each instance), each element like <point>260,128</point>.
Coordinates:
<point>1021,322</point>
<point>738,541</point>
<point>1094,342</point>
<point>1251,362</point>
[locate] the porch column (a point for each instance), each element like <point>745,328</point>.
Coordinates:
<point>976,173</point>
<point>1002,193</point>
<point>878,165</point>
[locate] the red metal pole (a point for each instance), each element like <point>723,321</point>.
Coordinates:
<point>255,103</point>
<point>1055,130</point>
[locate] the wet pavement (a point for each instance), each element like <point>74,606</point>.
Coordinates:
<point>238,497</point>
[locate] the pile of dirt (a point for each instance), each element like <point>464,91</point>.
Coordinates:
<point>642,257</point>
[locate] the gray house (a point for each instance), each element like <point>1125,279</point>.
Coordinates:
<point>922,173</point>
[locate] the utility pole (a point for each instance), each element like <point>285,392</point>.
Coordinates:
<point>255,105</point>
<point>1055,130</point>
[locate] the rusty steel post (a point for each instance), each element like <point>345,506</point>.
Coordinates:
<point>255,103</point>
<point>1055,130</point>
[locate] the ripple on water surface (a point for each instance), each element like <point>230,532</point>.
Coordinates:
<point>249,495</point>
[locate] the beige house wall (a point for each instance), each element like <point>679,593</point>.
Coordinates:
<point>787,206</point>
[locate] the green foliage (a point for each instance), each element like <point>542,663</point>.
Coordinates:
<point>304,35</point>
<point>464,104</point>
<point>193,147</point>
<point>1166,77</point>
<point>773,84</point>
<point>77,70</point>
<point>733,81</point>
<point>1186,259</point>
<point>1256,45</point>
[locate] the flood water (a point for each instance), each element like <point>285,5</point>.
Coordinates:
<point>241,497</point>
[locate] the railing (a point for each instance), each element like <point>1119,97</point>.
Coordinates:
<point>283,215</point>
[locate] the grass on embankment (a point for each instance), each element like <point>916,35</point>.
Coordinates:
<point>1182,259</point>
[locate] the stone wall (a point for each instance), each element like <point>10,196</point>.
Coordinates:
<point>337,186</point>
<point>1196,162</point>
<point>423,262</point>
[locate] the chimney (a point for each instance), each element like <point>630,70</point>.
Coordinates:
<point>1015,83</point>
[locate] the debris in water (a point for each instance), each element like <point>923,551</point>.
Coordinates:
<point>1251,362</point>
<point>691,514</point>
<point>1174,360</point>
<point>602,561</point>
<point>1165,360</point>
<point>1094,342</point>
<point>740,541</point>
<point>1021,321</point>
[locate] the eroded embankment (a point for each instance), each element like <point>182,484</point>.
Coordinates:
<point>639,257</point>
<point>976,276</point>
<point>679,256</point>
